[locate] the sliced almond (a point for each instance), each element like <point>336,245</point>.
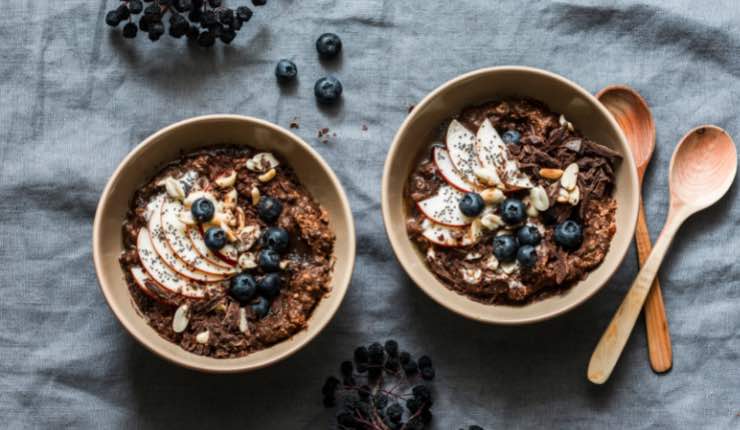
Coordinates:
<point>570,177</point>
<point>491,221</point>
<point>539,199</point>
<point>551,174</point>
<point>230,235</point>
<point>563,121</point>
<point>174,188</point>
<point>181,319</point>
<point>491,262</point>
<point>243,324</point>
<point>532,211</point>
<point>575,196</point>
<point>263,161</point>
<point>430,253</point>
<point>474,232</point>
<point>574,145</point>
<point>470,256</point>
<point>247,236</point>
<point>487,176</point>
<point>230,198</point>
<point>241,219</point>
<point>203,337</point>
<point>509,267</point>
<point>255,196</point>
<point>471,276</point>
<point>186,217</point>
<point>492,195</point>
<point>563,195</point>
<point>267,177</point>
<point>247,261</point>
<point>226,180</point>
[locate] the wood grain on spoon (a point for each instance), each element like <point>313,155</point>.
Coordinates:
<point>702,169</point>
<point>633,115</point>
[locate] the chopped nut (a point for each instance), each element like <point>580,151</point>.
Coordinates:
<point>430,253</point>
<point>474,233</point>
<point>565,122</point>
<point>574,145</point>
<point>186,217</point>
<point>487,176</point>
<point>492,195</point>
<point>491,221</point>
<point>255,196</point>
<point>203,337</point>
<point>539,198</point>
<point>220,308</point>
<point>174,188</point>
<point>247,261</point>
<point>570,177</point>
<point>470,256</point>
<point>181,319</point>
<point>267,177</point>
<point>247,237</point>
<point>509,267</point>
<point>230,235</point>
<point>551,174</point>
<point>563,195</point>
<point>574,197</point>
<point>226,180</point>
<point>230,198</point>
<point>262,162</point>
<point>243,324</point>
<point>491,262</point>
<point>471,276</point>
<point>241,219</point>
<point>284,264</point>
<point>532,211</point>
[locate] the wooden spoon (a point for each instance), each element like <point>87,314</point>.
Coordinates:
<point>702,169</point>
<point>633,116</point>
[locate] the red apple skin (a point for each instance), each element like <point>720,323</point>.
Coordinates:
<point>442,174</point>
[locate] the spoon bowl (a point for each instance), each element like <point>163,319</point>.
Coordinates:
<point>703,167</point>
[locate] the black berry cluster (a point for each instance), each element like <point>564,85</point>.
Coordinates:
<point>203,21</point>
<point>380,389</point>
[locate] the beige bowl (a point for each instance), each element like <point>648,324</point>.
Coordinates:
<point>561,95</point>
<point>168,144</point>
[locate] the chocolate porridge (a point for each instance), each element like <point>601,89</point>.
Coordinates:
<point>512,203</point>
<point>226,253</point>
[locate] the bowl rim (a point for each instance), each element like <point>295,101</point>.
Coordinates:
<point>232,365</point>
<point>395,241</point>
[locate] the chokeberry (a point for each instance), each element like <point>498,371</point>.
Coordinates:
<point>427,373</point>
<point>130,30</point>
<point>392,364</point>
<point>243,13</point>
<point>135,6</point>
<point>112,18</point>
<point>259,2</point>
<point>422,393</point>
<point>425,361</point>
<point>391,348</point>
<point>330,386</point>
<point>361,355</point>
<point>410,368</point>
<point>180,5</point>
<point>404,357</point>
<point>285,71</point>
<point>346,368</point>
<point>329,45</point>
<point>394,413</point>
<point>328,90</point>
<point>375,353</point>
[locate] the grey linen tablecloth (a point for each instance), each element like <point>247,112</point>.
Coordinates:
<point>75,98</point>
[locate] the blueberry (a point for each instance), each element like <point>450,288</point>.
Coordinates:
<point>203,210</point>
<point>269,286</point>
<point>215,238</point>
<point>112,18</point>
<point>529,235</point>
<point>527,256</point>
<point>471,204</point>
<point>505,247</point>
<point>511,137</point>
<point>275,238</point>
<point>513,211</point>
<point>329,45</point>
<point>285,71</point>
<point>243,288</point>
<point>269,260</point>
<point>261,308</point>
<point>569,235</point>
<point>269,209</point>
<point>130,30</point>
<point>328,90</point>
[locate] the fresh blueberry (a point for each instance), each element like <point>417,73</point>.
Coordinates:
<point>569,235</point>
<point>471,204</point>
<point>527,256</point>
<point>269,209</point>
<point>203,210</point>
<point>329,45</point>
<point>269,286</point>
<point>215,238</point>
<point>285,71</point>
<point>275,238</point>
<point>505,247</point>
<point>261,307</point>
<point>243,288</point>
<point>529,235</point>
<point>328,90</point>
<point>513,211</point>
<point>511,137</point>
<point>269,260</point>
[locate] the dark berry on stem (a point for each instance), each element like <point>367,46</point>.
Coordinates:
<point>215,237</point>
<point>123,12</point>
<point>269,260</point>
<point>413,405</point>
<point>505,247</point>
<point>361,367</point>
<point>193,32</point>
<point>225,16</point>
<point>182,5</point>
<point>243,13</point>
<point>329,45</point>
<point>404,357</point>
<point>178,26</point>
<point>275,238</point>
<point>330,401</point>
<point>391,348</point>
<point>112,18</point>
<point>527,256</point>
<point>330,386</point>
<point>153,13</point>
<point>511,137</point>
<point>328,90</point>
<point>346,368</point>
<point>422,393</point>
<point>214,3</point>
<point>375,353</point>
<point>472,204</point>
<point>227,36</point>
<point>394,413</point>
<point>410,368</point>
<point>380,401</point>
<point>392,364</point>
<point>269,209</point>
<point>364,392</point>
<point>195,15</point>
<point>285,71</point>
<point>427,373</point>
<point>208,20</point>
<point>361,354</point>
<point>529,235</point>
<point>513,211</point>
<point>130,30</point>
<point>269,286</point>
<point>569,235</point>
<point>425,361</point>
<point>135,6</point>
<point>261,308</point>
<point>243,287</point>
<point>374,372</point>
<point>259,2</point>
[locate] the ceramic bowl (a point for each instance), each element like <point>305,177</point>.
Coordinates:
<point>422,124</point>
<point>195,133</point>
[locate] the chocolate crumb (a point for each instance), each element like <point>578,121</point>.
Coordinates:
<point>364,127</point>
<point>294,124</point>
<point>410,108</point>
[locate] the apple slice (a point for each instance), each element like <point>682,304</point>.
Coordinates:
<point>442,235</point>
<point>220,258</point>
<point>149,286</point>
<point>175,234</point>
<point>491,152</point>
<point>444,207</point>
<point>448,170</point>
<point>460,144</point>
<point>161,273</point>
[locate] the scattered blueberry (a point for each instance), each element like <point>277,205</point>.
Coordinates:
<point>471,204</point>
<point>391,347</point>
<point>243,288</point>
<point>215,238</point>
<point>259,2</point>
<point>527,256</point>
<point>513,211</point>
<point>346,368</point>
<point>511,137</point>
<point>505,247</point>
<point>269,209</point>
<point>269,260</point>
<point>261,308</point>
<point>569,235</point>
<point>269,286</point>
<point>203,210</point>
<point>329,45</point>
<point>285,71</point>
<point>130,30</point>
<point>529,235</point>
<point>275,238</point>
<point>328,90</point>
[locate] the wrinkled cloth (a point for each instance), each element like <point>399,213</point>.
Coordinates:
<point>76,98</point>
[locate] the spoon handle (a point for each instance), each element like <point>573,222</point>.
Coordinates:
<point>612,342</point>
<point>656,322</point>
